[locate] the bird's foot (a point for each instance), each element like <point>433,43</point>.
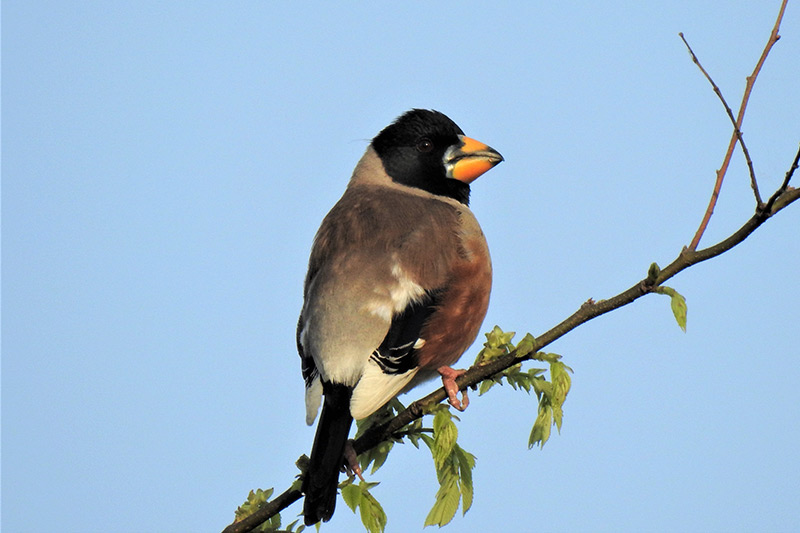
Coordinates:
<point>449,376</point>
<point>351,466</point>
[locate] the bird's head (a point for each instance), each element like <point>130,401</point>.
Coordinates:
<point>425,149</point>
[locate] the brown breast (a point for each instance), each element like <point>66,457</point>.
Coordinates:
<point>456,323</point>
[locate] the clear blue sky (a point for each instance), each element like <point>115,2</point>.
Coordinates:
<point>165,167</point>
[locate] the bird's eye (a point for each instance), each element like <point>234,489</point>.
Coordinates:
<point>425,145</point>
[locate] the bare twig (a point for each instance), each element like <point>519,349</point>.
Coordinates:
<point>773,38</point>
<point>736,130</point>
<point>784,186</point>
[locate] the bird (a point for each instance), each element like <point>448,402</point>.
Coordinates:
<point>397,288</point>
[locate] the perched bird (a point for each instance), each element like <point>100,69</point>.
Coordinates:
<point>397,287</point>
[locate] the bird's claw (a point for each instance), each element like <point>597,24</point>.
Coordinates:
<point>351,466</point>
<point>449,376</point>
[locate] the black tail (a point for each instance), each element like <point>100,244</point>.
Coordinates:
<point>322,476</point>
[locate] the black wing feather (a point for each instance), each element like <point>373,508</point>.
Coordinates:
<point>396,354</point>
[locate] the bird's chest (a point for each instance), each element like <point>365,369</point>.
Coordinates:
<point>464,302</point>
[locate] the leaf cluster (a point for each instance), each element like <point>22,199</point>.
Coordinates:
<point>498,343</point>
<point>551,394</point>
<point>452,463</point>
<point>255,500</point>
<point>453,468</point>
<point>358,498</point>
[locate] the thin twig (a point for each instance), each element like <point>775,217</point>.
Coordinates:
<point>773,38</point>
<point>784,186</point>
<point>736,130</point>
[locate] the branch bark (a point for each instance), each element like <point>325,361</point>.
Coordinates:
<point>267,511</point>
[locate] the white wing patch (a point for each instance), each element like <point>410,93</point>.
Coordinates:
<point>406,290</point>
<point>380,308</point>
<point>375,388</point>
<point>399,295</point>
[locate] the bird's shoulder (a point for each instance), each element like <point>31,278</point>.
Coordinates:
<point>368,216</point>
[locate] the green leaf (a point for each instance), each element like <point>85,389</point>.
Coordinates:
<point>498,342</point>
<point>466,462</point>
<point>542,387</point>
<point>445,435</point>
<point>358,497</point>
<point>300,528</point>
<point>526,345</point>
<point>561,382</point>
<point>548,357</point>
<point>551,398</point>
<point>558,414</point>
<point>376,456</point>
<point>446,505</point>
<point>291,527</point>
<point>677,303</point>
<point>453,468</point>
<point>497,337</point>
<point>485,386</point>
<point>297,484</point>
<point>351,494</point>
<point>414,432</point>
<point>541,427</point>
<point>255,499</point>
<point>372,514</point>
<point>428,440</point>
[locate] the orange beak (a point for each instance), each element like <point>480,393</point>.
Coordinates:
<point>469,159</point>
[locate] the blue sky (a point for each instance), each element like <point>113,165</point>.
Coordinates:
<point>165,167</point>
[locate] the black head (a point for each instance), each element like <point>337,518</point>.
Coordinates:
<point>413,148</point>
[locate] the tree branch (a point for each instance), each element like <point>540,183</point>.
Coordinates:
<point>587,311</point>
<point>265,512</point>
<point>773,38</point>
<point>736,130</point>
<point>773,200</point>
<point>590,309</point>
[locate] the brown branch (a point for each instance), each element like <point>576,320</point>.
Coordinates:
<point>773,38</point>
<point>265,512</point>
<point>589,310</point>
<point>773,200</point>
<point>736,130</point>
<point>782,197</point>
